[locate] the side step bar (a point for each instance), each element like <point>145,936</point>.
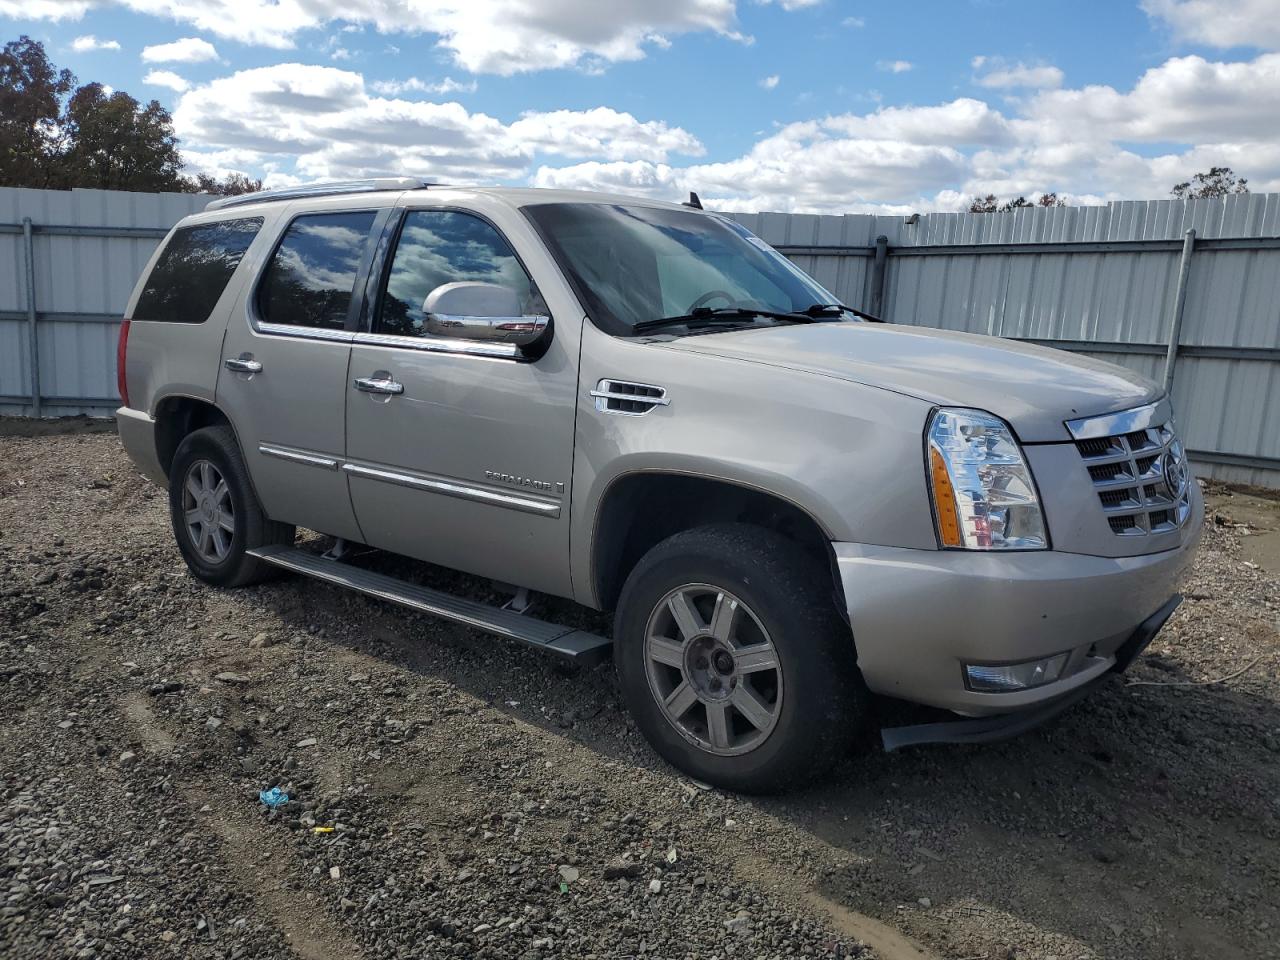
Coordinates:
<point>575,645</point>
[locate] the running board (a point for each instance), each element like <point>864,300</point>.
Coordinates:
<point>576,645</point>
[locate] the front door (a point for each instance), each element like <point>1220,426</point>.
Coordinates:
<point>460,452</point>
<point>284,369</point>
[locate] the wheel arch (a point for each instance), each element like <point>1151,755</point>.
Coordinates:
<point>178,415</point>
<point>642,508</point>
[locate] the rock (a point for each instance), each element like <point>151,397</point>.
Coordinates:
<point>127,758</point>
<point>262,640</point>
<point>925,902</point>
<point>169,686</point>
<point>307,742</point>
<point>228,677</point>
<point>739,926</point>
<point>568,874</point>
<point>616,869</point>
<point>655,886</point>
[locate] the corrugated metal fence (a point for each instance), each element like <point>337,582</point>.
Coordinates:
<point>1113,282</point>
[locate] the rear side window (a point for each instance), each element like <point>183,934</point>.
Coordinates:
<point>309,280</point>
<point>194,269</point>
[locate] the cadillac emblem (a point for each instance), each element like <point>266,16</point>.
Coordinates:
<point>1174,473</point>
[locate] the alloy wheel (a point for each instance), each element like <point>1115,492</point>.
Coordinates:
<point>713,669</point>
<point>207,511</point>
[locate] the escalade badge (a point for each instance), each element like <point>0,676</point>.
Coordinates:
<point>519,481</point>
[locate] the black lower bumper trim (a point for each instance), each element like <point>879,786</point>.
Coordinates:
<point>1007,725</point>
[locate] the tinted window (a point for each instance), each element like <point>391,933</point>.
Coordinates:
<point>309,280</point>
<point>438,247</point>
<point>187,280</point>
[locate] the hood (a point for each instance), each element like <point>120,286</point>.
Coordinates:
<point>1033,388</point>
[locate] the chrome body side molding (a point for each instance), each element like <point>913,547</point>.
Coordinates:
<point>298,456</point>
<point>449,487</point>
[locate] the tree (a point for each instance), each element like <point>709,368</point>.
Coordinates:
<point>232,185</point>
<point>991,204</point>
<point>31,94</point>
<point>55,134</point>
<point>1218,182</point>
<point>116,143</point>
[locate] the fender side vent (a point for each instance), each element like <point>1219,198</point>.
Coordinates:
<point>628,399</point>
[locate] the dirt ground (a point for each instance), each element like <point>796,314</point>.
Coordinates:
<point>453,796</point>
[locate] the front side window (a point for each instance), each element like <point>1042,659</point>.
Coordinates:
<point>444,246</point>
<point>309,280</point>
<point>194,269</point>
<point>632,264</point>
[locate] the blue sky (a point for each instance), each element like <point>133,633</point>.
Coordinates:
<point>757,104</point>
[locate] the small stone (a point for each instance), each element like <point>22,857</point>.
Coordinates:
<point>925,902</point>
<point>127,758</point>
<point>347,905</point>
<point>262,640</point>
<point>168,936</point>
<point>335,873</point>
<point>655,886</point>
<point>308,742</point>
<point>568,874</point>
<point>228,677</point>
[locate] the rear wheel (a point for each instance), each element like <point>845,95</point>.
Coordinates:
<point>215,514</point>
<point>734,661</point>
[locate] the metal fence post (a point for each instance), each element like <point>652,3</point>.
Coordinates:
<point>877,276</point>
<point>1179,304</point>
<point>29,249</point>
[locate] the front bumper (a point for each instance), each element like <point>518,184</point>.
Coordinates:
<point>919,615</point>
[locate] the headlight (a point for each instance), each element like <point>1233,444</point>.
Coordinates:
<point>983,494</point>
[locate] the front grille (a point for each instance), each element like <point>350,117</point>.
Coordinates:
<point>1142,480</point>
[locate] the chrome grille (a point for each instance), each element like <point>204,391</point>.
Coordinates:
<point>1142,479</point>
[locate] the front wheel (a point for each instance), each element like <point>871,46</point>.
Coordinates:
<point>734,661</point>
<point>215,513</point>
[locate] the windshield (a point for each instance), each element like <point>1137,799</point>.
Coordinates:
<point>635,264</point>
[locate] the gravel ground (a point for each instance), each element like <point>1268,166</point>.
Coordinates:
<point>454,796</point>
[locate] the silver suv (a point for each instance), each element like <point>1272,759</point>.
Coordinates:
<point>644,408</point>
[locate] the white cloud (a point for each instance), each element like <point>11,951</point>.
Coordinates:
<point>894,66</point>
<point>1220,23</point>
<point>602,132</point>
<point>482,36</point>
<point>853,23</point>
<point>392,88</point>
<point>770,82</point>
<point>44,9</point>
<point>90,42</point>
<point>186,50</point>
<point>166,78</point>
<point>1002,76</point>
<point>320,122</point>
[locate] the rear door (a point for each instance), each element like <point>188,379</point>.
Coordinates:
<point>467,464</point>
<point>284,362</point>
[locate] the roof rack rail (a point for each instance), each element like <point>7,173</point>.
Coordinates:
<point>322,190</point>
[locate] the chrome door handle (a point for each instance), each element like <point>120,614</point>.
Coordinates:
<point>242,365</point>
<point>380,384</point>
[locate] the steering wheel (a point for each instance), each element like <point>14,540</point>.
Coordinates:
<point>708,296</point>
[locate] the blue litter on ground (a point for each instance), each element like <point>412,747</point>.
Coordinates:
<point>275,797</point>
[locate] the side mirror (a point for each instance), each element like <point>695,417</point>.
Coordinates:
<point>481,311</point>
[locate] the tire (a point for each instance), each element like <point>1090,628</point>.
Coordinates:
<point>209,483</point>
<point>814,698</point>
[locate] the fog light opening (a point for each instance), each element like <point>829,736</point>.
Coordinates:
<point>1004,678</point>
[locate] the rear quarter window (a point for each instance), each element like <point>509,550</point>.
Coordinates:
<point>194,269</point>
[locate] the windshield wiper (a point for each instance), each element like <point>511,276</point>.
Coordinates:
<point>822,309</point>
<point>706,316</point>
